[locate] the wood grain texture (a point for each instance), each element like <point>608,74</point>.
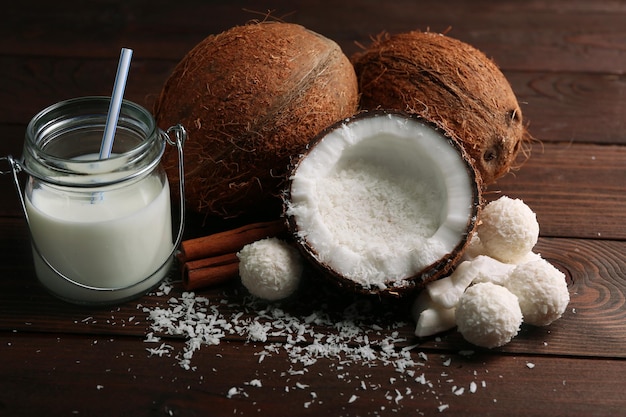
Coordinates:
<point>595,270</point>
<point>572,107</point>
<point>530,36</point>
<point>576,190</point>
<point>124,380</point>
<point>565,60</point>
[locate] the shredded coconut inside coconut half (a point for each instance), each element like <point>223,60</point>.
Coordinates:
<point>381,198</point>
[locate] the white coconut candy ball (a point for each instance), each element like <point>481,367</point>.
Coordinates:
<point>508,229</point>
<point>541,290</point>
<point>270,268</point>
<point>488,315</point>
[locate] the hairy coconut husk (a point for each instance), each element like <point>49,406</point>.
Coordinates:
<point>452,84</point>
<point>251,98</point>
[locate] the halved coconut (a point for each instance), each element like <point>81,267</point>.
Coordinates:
<point>383,202</point>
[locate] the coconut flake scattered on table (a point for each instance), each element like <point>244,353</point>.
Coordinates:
<point>356,340</point>
<point>353,339</point>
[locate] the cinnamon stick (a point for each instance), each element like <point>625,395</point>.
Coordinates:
<point>230,241</point>
<point>210,271</point>
<point>211,260</point>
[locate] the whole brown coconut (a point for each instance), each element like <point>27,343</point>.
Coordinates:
<point>452,84</point>
<point>251,98</point>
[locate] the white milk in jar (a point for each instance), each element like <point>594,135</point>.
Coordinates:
<point>101,229</point>
<point>113,242</point>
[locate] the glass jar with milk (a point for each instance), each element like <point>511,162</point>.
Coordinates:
<point>101,229</point>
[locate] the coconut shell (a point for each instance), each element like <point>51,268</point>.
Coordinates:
<point>429,273</point>
<point>452,84</point>
<point>251,98</point>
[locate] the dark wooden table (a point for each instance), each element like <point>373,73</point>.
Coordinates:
<point>565,60</point>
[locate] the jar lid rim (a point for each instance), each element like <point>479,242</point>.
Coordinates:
<point>70,116</point>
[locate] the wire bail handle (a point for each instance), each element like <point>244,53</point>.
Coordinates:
<point>180,136</point>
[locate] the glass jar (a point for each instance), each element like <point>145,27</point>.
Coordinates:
<point>101,229</point>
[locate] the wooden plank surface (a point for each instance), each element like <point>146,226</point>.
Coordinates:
<point>123,381</point>
<point>531,36</point>
<point>565,61</point>
<point>590,327</point>
<point>576,190</point>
